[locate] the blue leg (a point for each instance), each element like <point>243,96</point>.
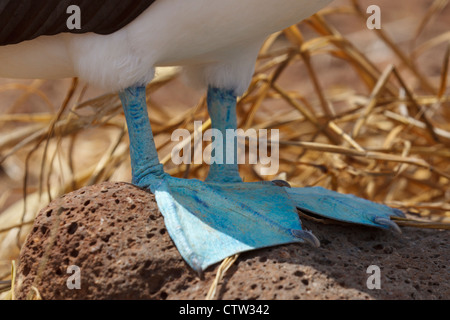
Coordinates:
<point>145,165</point>
<point>222,110</point>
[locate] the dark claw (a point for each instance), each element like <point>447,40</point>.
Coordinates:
<point>388,223</point>
<point>306,236</point>
<point>399,213</point>
<point>281,183</point>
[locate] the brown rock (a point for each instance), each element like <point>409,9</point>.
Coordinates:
<point>115,234</point>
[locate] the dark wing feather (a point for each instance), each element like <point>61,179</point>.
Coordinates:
<point>22,20</point>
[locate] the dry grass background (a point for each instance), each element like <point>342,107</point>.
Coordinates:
<point>359,111</point>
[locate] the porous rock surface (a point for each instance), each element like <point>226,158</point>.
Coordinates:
<point>114,233</point>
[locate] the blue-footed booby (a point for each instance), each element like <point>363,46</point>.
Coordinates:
<point>117,44</point>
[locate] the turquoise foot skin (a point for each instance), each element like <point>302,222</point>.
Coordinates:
<point>211,220</point>
<point>344,207</point>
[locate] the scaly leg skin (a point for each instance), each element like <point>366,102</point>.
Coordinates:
<point>222,111</point>
<point>212,220</point>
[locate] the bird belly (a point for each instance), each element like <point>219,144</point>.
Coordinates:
<point>198,31</point>
<point>169,32</point>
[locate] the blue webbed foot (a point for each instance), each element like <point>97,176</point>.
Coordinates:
<point>344,207</point>
<point>210,221</point>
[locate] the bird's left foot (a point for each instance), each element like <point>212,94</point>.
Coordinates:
<point>344,207</point>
